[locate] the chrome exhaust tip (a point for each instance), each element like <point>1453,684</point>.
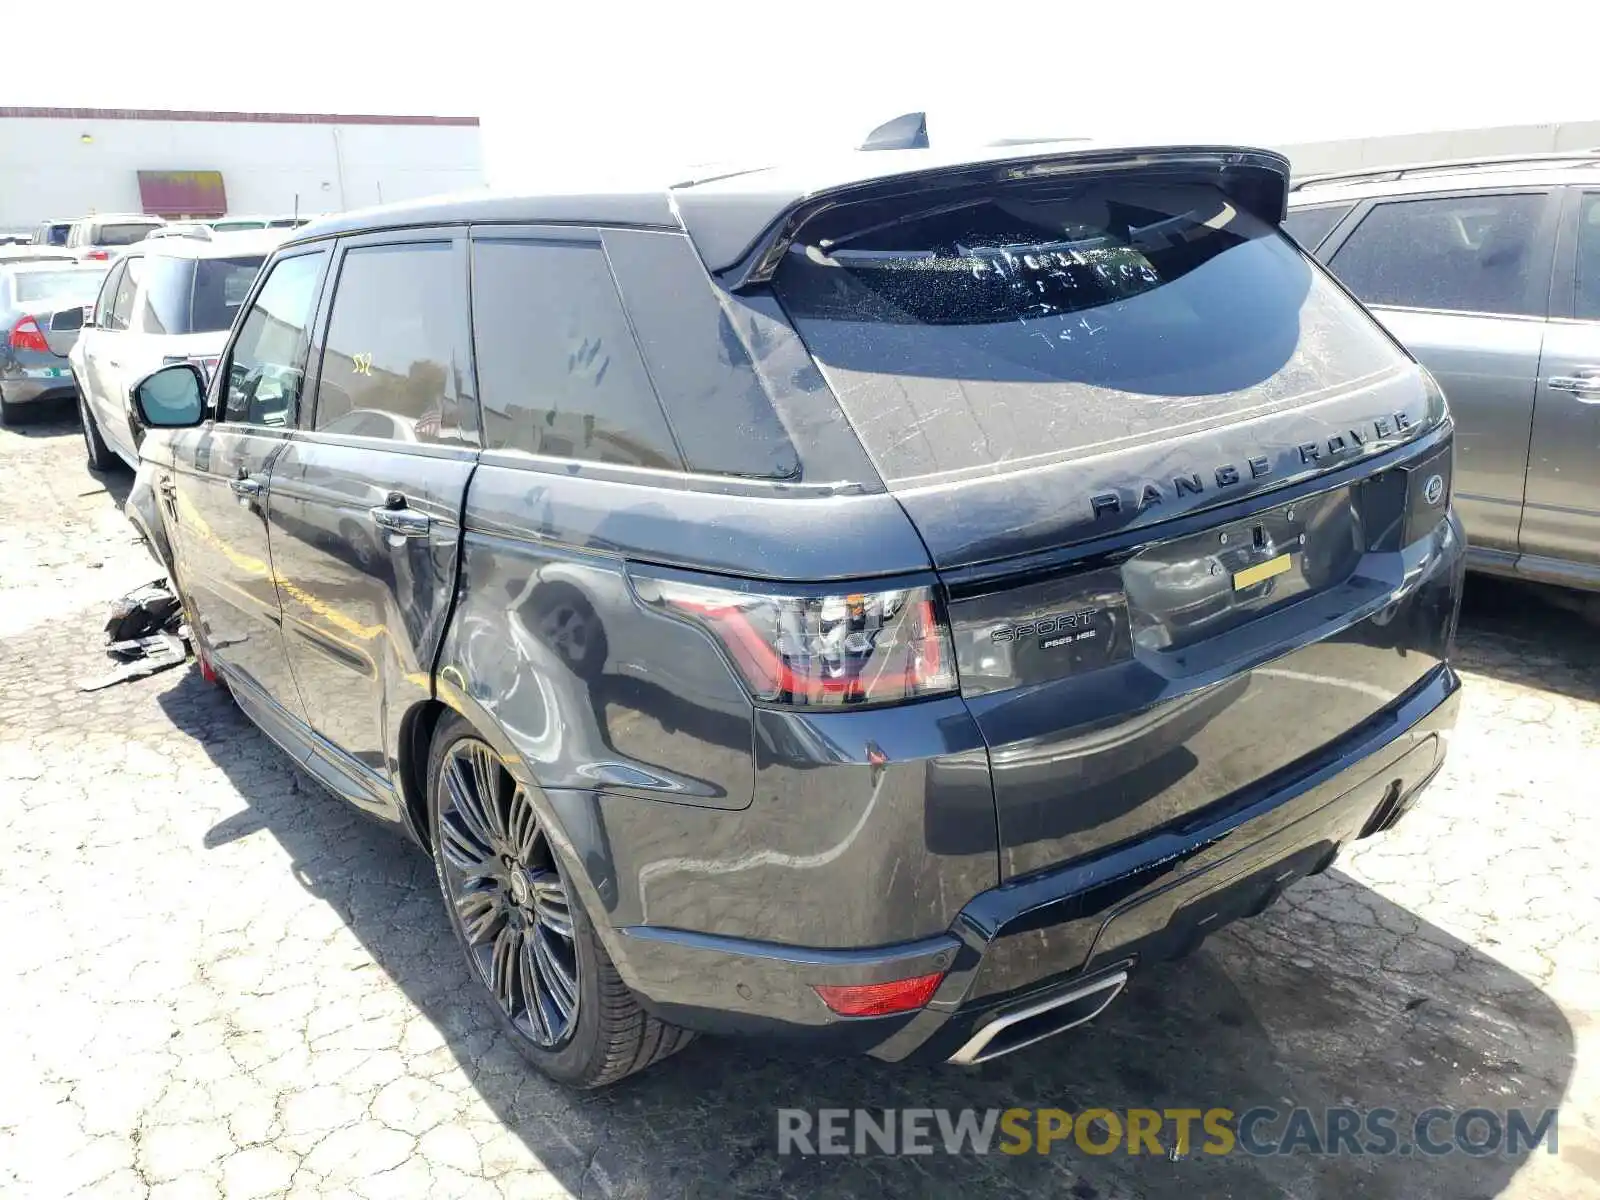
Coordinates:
<point>1026,1026</point>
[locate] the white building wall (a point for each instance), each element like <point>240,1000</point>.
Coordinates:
<point>48,169</point>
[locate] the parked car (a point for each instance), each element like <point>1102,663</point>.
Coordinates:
<point>104,237</point>
<point>1489,272</point>
<point>53,232</point>
<point>165,300</point>
<point>11,255</point>
<point>33,362</point>
<point>889,602</point>
<point>244,224</point>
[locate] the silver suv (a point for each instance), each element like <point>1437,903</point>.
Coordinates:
<point>1489,272</point>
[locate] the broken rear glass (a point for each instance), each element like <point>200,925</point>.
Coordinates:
<point>1060,320</point>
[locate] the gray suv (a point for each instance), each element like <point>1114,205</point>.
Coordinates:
<point>887,603</point>
<point>1489,272</point>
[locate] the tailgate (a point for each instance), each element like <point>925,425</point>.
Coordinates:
<point>1162,464</point>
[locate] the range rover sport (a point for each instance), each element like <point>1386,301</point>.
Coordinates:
<point>888,603</point>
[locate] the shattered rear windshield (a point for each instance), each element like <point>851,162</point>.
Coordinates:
<point>1040,322</point>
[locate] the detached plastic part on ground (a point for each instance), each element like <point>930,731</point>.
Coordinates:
<point>145,633</point>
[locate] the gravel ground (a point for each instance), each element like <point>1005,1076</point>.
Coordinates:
<point>220,982</point>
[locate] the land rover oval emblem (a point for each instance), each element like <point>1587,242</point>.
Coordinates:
<point>1433,490</point>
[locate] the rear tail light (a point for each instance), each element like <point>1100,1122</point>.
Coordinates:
<point>26,335</point>
<point>823,650</point>
<point>879,999</point>
<point>97,255</point>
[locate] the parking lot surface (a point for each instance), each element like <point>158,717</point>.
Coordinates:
<point>218,981</point>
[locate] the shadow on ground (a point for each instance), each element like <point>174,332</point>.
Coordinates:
<point>1290,1008</point>
<point>58,419</point>
<point>1532,635</point>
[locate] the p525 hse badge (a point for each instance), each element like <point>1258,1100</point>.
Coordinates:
<point>1057,629</point>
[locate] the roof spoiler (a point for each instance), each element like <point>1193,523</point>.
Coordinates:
<point>1256,180</point>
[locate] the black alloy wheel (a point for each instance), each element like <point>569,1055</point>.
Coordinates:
<point>510,901</point>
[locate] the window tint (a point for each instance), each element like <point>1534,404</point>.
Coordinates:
<point>69,287</point>
<point>108,295</point>
<point>266,367</point>
<point>715,403</point>
<point>395,353</point>
<point>1465,253</point>
<point>1309,226</point>
<point>558,370</point>
<point>1588,297</point>
<point>1034,321</point>
<point>127,290</point>
<point>122,235</point>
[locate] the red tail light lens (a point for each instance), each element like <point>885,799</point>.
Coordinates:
<point>830,650</point>
<point>878,999</point>
<point>97,255</point>
<point>26,335</point>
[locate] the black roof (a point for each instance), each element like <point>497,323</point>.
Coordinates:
<point>732,213</point>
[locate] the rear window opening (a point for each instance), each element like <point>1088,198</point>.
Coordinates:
<point>66,286</point>
<point>123,235</point>
<point>1052,320</point>
<point>187,295</point>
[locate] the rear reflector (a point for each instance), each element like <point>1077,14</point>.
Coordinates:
<point>879,999</point>
<point>26,335</point>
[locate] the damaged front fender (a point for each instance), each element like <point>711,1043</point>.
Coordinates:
<point>144,510</point>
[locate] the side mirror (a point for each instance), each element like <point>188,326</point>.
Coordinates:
<point>172,398</point>
<point>68,320</point>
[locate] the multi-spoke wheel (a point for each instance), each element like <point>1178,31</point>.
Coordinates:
<point>501,877</point>
<point>527,938</point>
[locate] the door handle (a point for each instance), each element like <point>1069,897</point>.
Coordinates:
<point>400,520</point>
<point>246,488</point>
<point>1586,387</point>
<point>166,487</point>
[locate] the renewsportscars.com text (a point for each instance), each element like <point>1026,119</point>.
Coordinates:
<point>1169,1132</point>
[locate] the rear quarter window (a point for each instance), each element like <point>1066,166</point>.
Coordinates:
<point>1311,226</point>
<point>559,372</point>
<point>1041,322</point>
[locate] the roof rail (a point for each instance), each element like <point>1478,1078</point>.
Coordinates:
<point>1587,158</point>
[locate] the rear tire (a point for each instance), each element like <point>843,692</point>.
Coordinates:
<point>8,413</point>
<point>499,875</point>
<point>100,456</point>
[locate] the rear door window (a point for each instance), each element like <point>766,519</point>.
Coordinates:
<point>1467,253</point>
<point>1587,298</point>
<point>559,372</point>
<point>266,365</point>
<point>1310,226</point>
<point>108,295</point>
<point>395,351</point>
<point>1053,321</point>
<point>127,291</point>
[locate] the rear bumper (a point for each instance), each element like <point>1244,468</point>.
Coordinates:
<point>17,390</point>
<point>1016,948</point>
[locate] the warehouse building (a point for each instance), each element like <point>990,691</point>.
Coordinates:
<point>68,162</point>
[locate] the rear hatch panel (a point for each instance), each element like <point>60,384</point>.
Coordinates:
<point>1160,461</point>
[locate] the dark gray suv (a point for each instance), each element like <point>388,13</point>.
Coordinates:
<point>887,603</point>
